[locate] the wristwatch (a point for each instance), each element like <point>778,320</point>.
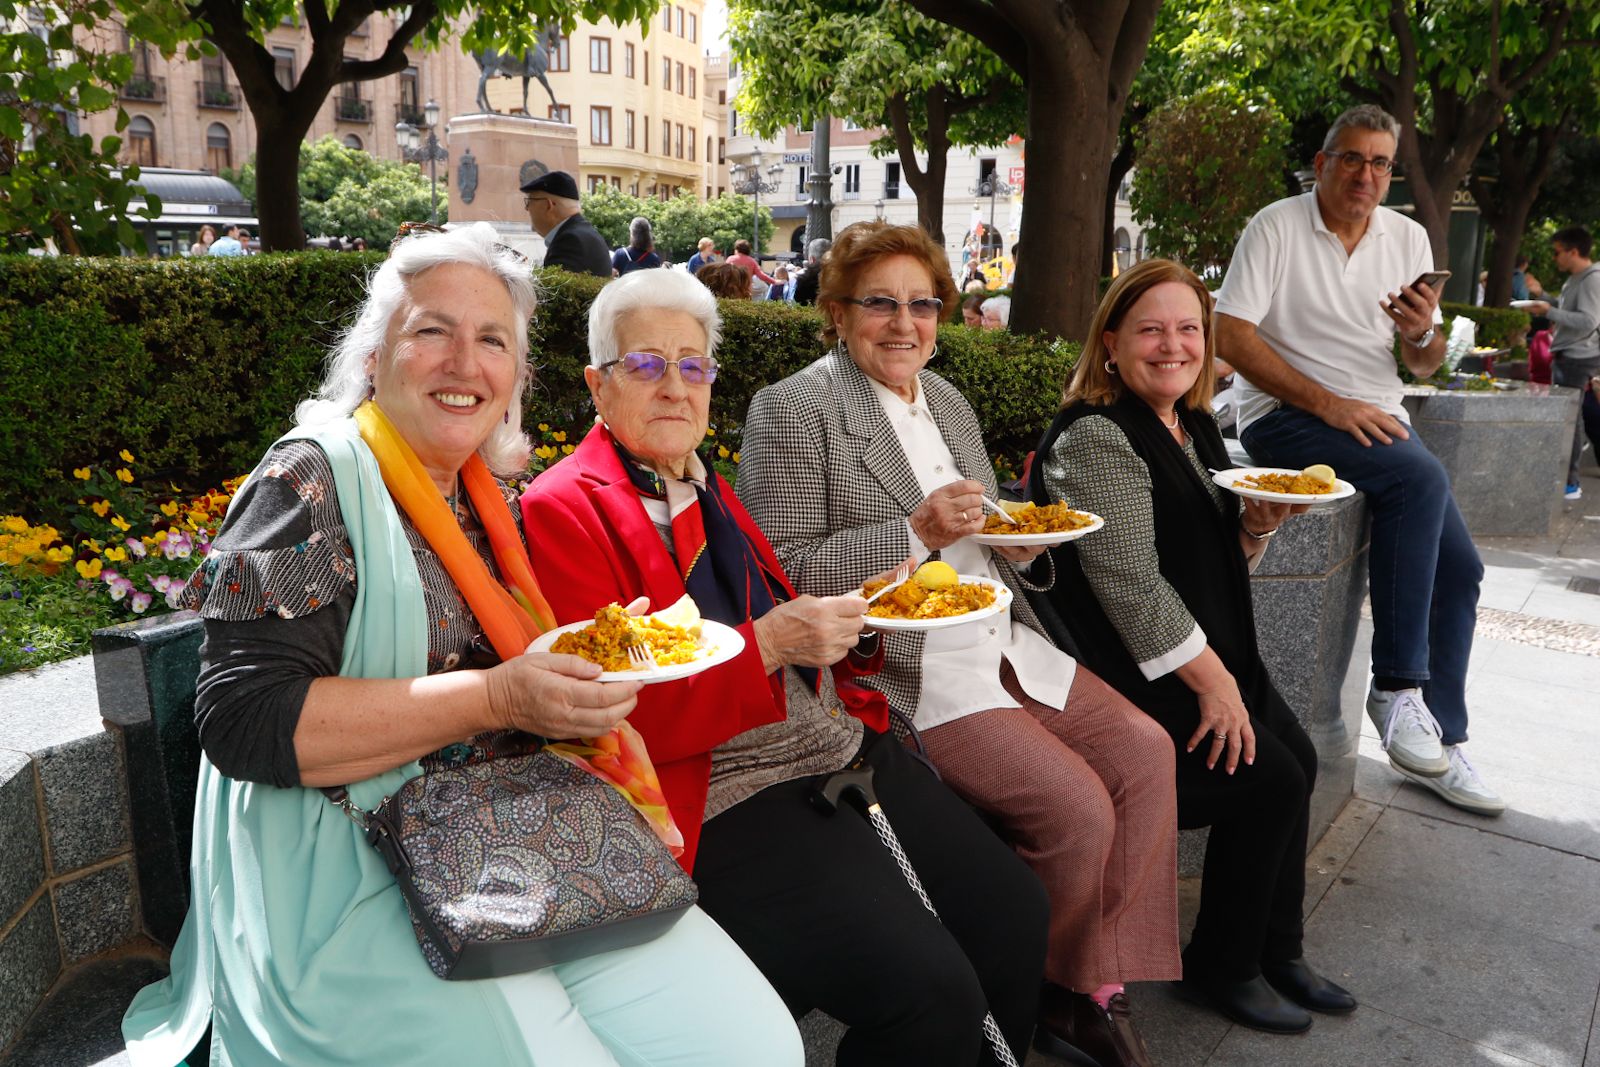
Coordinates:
<point>1425,340</point>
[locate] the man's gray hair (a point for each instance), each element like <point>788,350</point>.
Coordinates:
<point>817,248</point>
<point>346,383</point>
<point>639,232</point>
<point>649,290</point>
<point>1362,117</point>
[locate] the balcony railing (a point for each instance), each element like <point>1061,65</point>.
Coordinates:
<point>145,88</point>
<point>352,109</point>
<point>891,190</point>
<point>215,95</point>
<point>411,113</point>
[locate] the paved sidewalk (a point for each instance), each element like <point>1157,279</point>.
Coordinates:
<point>1468,940</point>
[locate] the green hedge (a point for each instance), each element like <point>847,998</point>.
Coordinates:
<point>1498,327</point>
<point>196,365</point>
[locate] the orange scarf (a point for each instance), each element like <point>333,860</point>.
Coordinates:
<point>511,618</point>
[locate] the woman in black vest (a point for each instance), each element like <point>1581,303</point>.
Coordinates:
<point>1158,603</point>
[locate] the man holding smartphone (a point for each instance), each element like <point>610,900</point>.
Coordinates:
<point>1308,314</point>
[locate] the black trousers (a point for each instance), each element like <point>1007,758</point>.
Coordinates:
<point>1254,884</point>
<point>820,906</point>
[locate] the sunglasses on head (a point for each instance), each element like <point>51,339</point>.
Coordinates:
<point>924,307</point>
<point>419,229</point>
<point>648,367</point>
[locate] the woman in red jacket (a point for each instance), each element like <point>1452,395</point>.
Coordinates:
<point>813,898</point>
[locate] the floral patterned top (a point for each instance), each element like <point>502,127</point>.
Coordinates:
<point>276,594</point>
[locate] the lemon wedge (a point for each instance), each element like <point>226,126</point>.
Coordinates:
<point>1320,472</point>
<point>936,574</point>
<point>684,614</point>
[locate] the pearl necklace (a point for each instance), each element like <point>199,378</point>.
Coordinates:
<point>1173,425</point>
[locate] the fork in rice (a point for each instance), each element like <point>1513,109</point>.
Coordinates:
<point>642,658</point>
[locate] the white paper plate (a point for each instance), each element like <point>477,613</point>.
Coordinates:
<point>1229,480</point>
<point>1002,600</point>
<point>1525,303</point>
<point>1060,537</point>
<point>718,644</point>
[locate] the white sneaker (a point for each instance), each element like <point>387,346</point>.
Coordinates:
<point>1461,785</point>
<point>1409,731</point>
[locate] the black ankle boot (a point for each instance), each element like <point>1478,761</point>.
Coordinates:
<point>1253,1003</point>
<point>1296,980</point>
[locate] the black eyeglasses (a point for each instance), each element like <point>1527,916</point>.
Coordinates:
<point>1354,161</point>
<point>649,367</point>
<point>884,307</point>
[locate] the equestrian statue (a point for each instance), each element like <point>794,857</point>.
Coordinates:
<point>530,64</point>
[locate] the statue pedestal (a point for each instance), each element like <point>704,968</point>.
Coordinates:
<point>491,156</point>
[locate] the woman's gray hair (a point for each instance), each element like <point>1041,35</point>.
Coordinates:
<point>652,290</point>
<point>1363,117</point>
<point>998,308</point>
<point>640,233</point>
<point>346,384</point>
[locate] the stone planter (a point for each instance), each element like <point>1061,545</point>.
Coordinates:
<point>1506,452</point>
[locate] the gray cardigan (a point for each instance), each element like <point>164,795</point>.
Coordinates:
<point>1576,316</point>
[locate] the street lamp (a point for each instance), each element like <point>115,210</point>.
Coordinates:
<point>880,209</point>
<point>416,150</point>
<point>993,187</point>
<point>752,185</point>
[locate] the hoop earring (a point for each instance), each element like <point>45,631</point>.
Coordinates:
<point>1111,366</point>
<point>935,353</point>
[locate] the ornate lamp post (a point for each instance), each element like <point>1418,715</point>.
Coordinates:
<point>430,151</point>
<point>993,187</point>
<point>748,182</point>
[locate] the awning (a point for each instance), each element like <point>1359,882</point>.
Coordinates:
<point>193,197</point>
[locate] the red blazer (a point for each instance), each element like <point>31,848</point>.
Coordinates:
<point>591,543</point>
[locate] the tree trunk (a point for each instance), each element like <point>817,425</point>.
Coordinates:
<point>1525,162</point>
<point>278,185</point>
<point>927,184</point>
<point>1121,164</point>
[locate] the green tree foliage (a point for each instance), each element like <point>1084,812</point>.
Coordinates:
<point>345,192</point>
<point>878,63</point>
<point>678,223</point>
<point>56,182</point>
<point>284,115</point>
<point>1210,162</point>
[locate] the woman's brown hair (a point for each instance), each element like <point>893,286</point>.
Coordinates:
<point>860,245</point>
<point>728,281</point>
<point>1091,382</point>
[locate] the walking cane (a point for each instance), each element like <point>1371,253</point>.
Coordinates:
<point>856,782</point>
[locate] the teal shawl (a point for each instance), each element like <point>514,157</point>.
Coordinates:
<point>297,947</point>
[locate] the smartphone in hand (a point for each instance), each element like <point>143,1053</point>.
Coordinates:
<point>1434,279</point>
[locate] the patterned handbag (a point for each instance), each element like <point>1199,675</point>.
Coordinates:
<point>522,862</point>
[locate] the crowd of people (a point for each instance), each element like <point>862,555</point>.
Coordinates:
<point>1036,765</point>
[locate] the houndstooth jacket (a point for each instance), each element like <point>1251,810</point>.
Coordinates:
<point>824,476</point>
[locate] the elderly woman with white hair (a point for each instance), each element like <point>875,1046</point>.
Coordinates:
<point>812,896</point>
<point>343,645</point>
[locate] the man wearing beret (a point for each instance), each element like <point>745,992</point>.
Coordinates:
<point>570,241</point>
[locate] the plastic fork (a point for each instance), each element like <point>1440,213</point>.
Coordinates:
<point>901,574</point>
<point>1005,516</point>
<point>642,658</point>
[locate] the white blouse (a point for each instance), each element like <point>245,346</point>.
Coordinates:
<point>961,664</point>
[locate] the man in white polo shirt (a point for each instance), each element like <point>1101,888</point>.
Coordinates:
<point>1319,286</point>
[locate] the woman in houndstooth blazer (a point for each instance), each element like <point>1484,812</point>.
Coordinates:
<point>864,458</point>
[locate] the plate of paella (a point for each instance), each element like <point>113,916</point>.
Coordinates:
<point>1313,485</point>
<point>1049,524</point>
<point>935,597</point>
<point>682,643</point>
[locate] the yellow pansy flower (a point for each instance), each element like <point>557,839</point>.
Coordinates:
<point>569,449</point>
<point>14,523</point>
<point>736,457</point>
<point>127,457</point>
<point>545,452</point>
<point>722,450</point>
<point>81,473</point>
<point>124,475</point>
<point>60,554</point>
<point>93,543</point>
<point>544,427</point>
<point>116,553</point>
<point>170,508</point>
<point>90,568</point>
<point>101,507</point>
<point>121,523</point>
<point>559,436</point>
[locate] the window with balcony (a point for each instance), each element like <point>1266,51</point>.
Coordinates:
<point>561,113</point>
<point>219,148</point>
<point>283,66</point>
<point>679,68</point>
<point>600,125</point>
<point>891,181</point>
<point>852,179</point>
<point>985,171</point>
<point>691,138</point>
<point>627,59</point>
<point>349,106</point>
<point>214,90</point>
<point>627,129</point>
<point>142,84</point>
<point>561,55</point>
<point>599,55</point>
<point>409,109</point>
<point>140,147</point>
<point>678,19</point>
<point>666,74</point>
<point>694,27</point>
<point>691,83</point>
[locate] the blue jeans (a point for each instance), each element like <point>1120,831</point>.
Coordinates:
<point>1424,567</point>
<point>1576,373</point>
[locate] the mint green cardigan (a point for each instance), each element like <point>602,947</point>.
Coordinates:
<point>297,947</point>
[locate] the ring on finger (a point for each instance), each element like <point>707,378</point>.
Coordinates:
<point>1221,737</point>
